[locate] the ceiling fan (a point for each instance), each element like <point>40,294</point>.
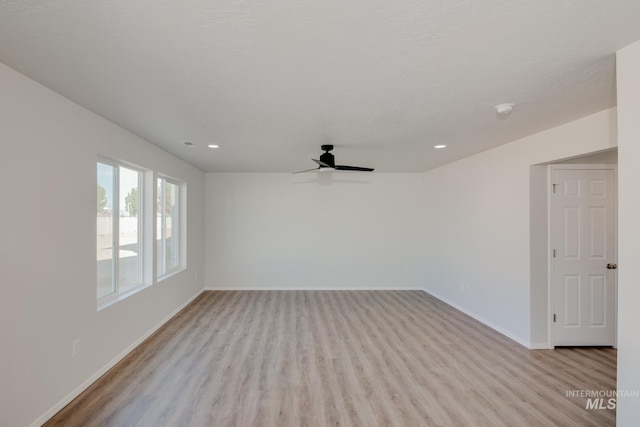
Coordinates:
<point>327,162</point>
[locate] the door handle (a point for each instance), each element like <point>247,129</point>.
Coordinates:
<point>612,266</point>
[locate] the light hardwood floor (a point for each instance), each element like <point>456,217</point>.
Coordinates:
<point>340,358</point>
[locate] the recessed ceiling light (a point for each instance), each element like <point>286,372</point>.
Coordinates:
<point>439,146</point>
<point>213,146</point>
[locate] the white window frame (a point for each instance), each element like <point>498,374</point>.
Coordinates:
<point>119,294</point>
<point>161,271</point>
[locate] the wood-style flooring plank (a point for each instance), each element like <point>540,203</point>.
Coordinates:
<point>340,358</point>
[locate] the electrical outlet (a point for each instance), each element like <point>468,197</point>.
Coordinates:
<point>468,289</point>
<point>75,348</point>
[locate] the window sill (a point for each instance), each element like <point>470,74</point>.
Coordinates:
<point>109,302</point>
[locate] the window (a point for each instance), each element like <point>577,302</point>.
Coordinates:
<point>119,229</point>
<point>168,232</point>
<point>124,229</point>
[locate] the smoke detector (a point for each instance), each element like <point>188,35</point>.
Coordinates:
<point>504,109</point>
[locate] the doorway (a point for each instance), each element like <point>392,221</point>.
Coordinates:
<point>582,280</point>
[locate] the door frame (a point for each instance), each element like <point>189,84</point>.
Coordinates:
<point>550,230</point>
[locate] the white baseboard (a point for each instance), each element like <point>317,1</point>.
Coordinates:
<point>82,387</point>
<point>322,288</point>
<point>481,319</point>
<point>540,346</point>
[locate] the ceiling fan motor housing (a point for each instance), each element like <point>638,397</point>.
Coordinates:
<point>327,157</point>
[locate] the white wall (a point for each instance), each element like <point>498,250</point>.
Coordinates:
<point>628,70</point>
<point>47,255</point>
<point>477,224</point>
<point>607,157</point>
<point>312,231</point>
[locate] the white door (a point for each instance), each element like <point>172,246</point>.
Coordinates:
<point>583,227</point>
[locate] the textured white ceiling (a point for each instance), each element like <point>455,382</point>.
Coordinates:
<point>270,81</point>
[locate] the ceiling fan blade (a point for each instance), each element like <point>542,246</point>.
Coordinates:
<point>327,163</point>
<point>306,170</point>
<point>322,164</point>
<point>353,168</point>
